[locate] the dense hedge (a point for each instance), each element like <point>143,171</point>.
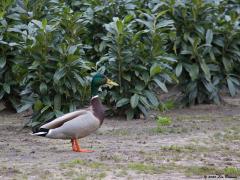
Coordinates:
<point>49,50</point>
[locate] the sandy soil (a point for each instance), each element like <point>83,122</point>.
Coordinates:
<point>200,141</point>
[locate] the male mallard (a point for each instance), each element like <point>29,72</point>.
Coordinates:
<point>80,123</point>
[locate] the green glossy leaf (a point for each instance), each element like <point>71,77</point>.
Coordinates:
<point>152,98</point>
<point>205,70</point>
<point>146,23</point>
<point>130,6</point>
<point>209,36</point>
<point>2,62</point>
<point>122,102</point>
<point>38,105</point>
<point>161,13</point>
<point>58,75</point>
<point>119,26</point>
<point>155,69</point>
<point>72,107</point>
<point>44,23</point>
<point>48,115</point>
<point>161,85</point>
<point>209,86</point>
<point>127,77</point>
<point>143,110</point>
<point>58,113</point>
<point>168,58</point>
<point>128,18</point>
<point>38,23</point>
<point>130,114</point>
<point>6,88</point>
<point>231,87</point>
<point>45,109</point>
<point>79,78</point>
<point>145,102</point>
<point>134,100</point>
<point>165,23</point>
<point>235,80</point>
<point>178,69</point>
<point>1,94</point>
<point>227,64</point>
<point>145,77</point>
<point>57,102</point>
<point>193,70</point>
<point>43,88</point>
<point>24,108</point>
<point>219,42</point>
<point>72,49</point>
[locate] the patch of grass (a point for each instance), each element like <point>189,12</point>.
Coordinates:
<point>119,132</point>
<point>142,152</point>
<point>12,170</point>
<point>70,173</point>
<point>81,177</point>
<point>167,130</point>
<point>168,105</point>
<point>23,177</point>
<point>96,165</point>
<point>101,175</point>
<point>144,168</point>
<point>232,171</point>
<point>91,176</point>
<point>232,134</point>
<point>231,118</point>
<point>159,130</point>
<point>172,148</point>
<point>106,157</point>
<point>187,148</point>
<point>78,161</point>
<point>162,122</point>
<point>196,117</point>
<point>72,163</point>
<point>150,168</point>
<point>178,130</point>
<point>116,158</point>
<point>201,171</point>
<point>93,165</point>
<point>229,134</point>
<point>122,173</point>
<point>206,170</point>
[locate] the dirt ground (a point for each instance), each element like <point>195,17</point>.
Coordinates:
<point>204,140</point>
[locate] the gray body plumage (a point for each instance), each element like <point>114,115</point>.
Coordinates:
<point>78,127</point>
<point>77,124</point>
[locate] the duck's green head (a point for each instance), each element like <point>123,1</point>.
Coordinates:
<point>99,80</point>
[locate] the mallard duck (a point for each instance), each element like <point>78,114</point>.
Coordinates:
<point>80,123</point>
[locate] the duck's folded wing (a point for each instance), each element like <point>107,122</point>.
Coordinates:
<point>61,120</point>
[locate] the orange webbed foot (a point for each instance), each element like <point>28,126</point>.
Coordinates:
<point>76,147</point>
<point>85,150</point>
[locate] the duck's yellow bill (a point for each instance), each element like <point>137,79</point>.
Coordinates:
<point>110,82</point>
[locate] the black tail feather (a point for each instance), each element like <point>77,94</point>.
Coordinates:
<point>41,132</point>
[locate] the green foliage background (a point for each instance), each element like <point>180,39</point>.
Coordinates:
<point>50,50</point>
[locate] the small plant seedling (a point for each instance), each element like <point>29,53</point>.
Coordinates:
<point>162,122</point>
<point>168,105</point>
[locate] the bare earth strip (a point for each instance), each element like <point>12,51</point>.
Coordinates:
<point>202,140</point>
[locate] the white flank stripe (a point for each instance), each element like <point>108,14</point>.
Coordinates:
<point>94,97</point>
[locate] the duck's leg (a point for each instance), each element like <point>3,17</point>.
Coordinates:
<point>74,148</point>
<point>78,149</point>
